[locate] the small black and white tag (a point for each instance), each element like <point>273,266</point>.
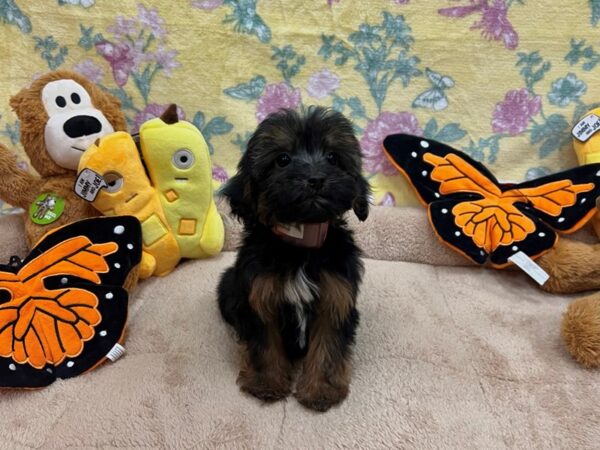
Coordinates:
<point>586,127</point>
<point>88,184</point>
<point>530,267</point>
<point>116,352</point>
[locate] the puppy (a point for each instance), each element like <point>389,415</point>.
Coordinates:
<point>291,295</point>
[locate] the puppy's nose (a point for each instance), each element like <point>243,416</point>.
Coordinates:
<point>82,126</point>
<point>315,182</point>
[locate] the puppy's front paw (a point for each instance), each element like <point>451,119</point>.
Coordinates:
<point>321,395</point>
<point>268,387</point>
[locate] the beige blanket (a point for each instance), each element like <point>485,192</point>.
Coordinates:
<point>447,356</point>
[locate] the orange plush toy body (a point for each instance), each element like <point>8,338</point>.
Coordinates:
<point>61,114</point>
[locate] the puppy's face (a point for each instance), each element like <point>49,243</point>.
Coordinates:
<point>300,168</point>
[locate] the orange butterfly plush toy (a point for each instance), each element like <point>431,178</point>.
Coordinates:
<point>486,220</point>
<point>63,308</point>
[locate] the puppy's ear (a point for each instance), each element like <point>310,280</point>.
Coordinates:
<point>360,205</point>
<point>238,191</point>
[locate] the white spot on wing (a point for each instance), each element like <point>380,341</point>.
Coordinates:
<point>424,144</point>
<point>424,173</point>
<point>12,367</point>
<point>109,295</point>
<point>70,364</point>
<point>119,229</point>
<point>413,154</point>
<point>457,233</point>
<point>561,219</point>
<point>444,211</point>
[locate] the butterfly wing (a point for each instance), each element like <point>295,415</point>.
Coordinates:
<point>444,223</point>
<point>565,200</point>
<point>535,244</point>
<point>66,307</point>
<point>408,154</point>
<point>432,98</point>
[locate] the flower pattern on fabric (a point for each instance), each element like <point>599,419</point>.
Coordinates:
<point>512,115</point>
<point>499,95</point>
<point>322,83</point>
<point>276,97</point>
<point>493,23</point>
<point>566,90</point>
<point>387,123</point>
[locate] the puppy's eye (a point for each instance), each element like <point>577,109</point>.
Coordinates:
<point>332,159</point>
<point>60,101</point>
<point>283,159</point>
<point>183,158</point>
<point>75,98</point>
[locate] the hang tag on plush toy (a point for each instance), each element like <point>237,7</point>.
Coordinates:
<point>586,127</point>
<point>88,184</point>
<point>46,208</point>
<point>530,267</point>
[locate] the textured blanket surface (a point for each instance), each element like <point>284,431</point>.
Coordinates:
<point>447,357</point>
<point>503,80</point>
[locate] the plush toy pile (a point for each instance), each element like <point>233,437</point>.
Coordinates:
<point>63,308</point>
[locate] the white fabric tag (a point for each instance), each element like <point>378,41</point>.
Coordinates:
<point>88,184</point>
<point>116,352</point>
<point>586,127</point>
<point>295,231</point>
<point>530,267</point>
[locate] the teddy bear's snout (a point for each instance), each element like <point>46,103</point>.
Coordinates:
<point>79,126</point>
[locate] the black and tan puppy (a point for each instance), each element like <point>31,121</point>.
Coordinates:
<point>291,295</point>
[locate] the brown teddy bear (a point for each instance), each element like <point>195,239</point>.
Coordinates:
<point>61,114</point>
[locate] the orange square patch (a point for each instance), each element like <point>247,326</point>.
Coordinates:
<point>171,195</point>
<point>187,227</point>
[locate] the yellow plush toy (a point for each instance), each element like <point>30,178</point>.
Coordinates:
<point>586,144</point>
<point>175,205</point>
<point>179,166</point>
<point>129,192</point>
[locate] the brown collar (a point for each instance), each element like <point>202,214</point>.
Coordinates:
<point>308,235</point>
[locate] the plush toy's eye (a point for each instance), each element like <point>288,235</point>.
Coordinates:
<point>283,159</point>
<point>114,181</point>
<point>75,98</point>
<point>332,159</point>
<point>183,158</point>
<point>61,102</point>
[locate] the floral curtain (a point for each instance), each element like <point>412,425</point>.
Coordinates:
<point>503,80</point>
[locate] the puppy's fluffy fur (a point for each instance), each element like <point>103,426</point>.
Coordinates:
<point>287,303</point>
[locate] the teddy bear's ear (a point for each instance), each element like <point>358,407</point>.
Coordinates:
<point>16,102</point>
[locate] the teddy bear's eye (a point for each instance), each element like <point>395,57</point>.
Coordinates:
<point>75,98</point>
<point>183,158</point>
<point>61,102</point>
